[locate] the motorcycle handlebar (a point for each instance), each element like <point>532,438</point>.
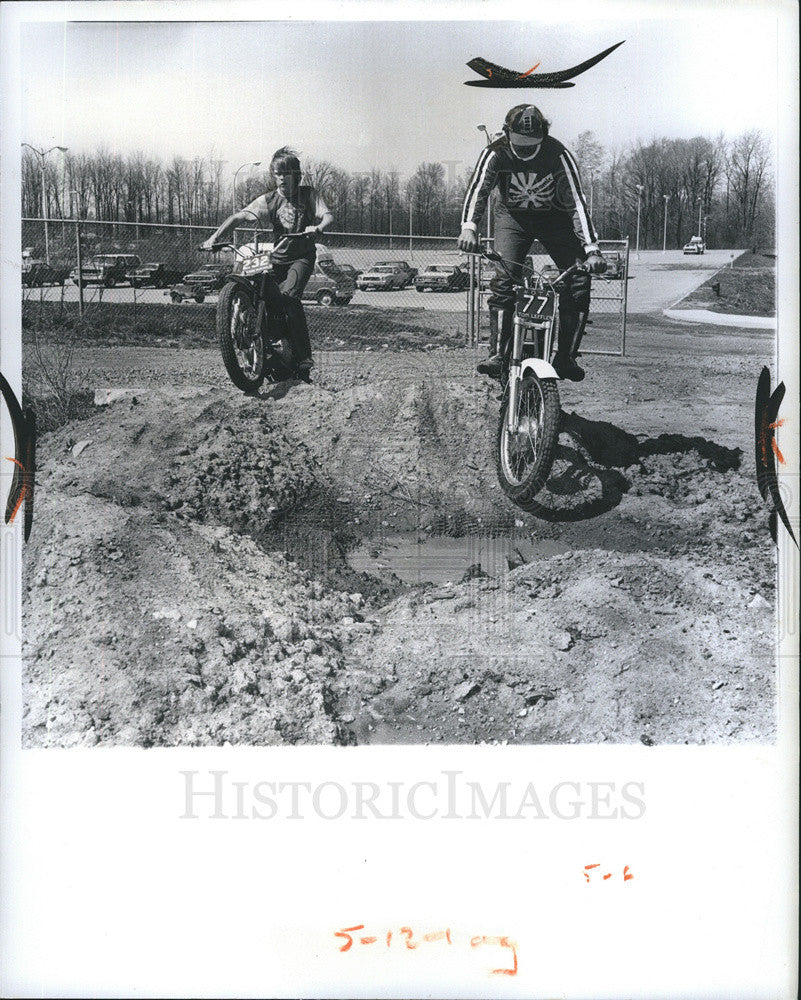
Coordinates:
<point>496,258</point>
<point>216,247</point>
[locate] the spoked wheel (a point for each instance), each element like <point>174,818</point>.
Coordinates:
<point>524,456</point>
<point>241,343</point>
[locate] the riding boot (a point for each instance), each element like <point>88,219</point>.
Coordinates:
<point>500,339</point>
<point>571,331</point>
<point>299,330</point>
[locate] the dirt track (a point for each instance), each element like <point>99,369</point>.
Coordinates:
<point>188,577</point>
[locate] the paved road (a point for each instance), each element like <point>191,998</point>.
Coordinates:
<point>656,281</point>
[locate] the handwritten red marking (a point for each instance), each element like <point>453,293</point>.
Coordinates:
<point>22,494</point>
<point>765,437</point>
<point>504,942</point>
<point>776,451</point>
<point>409,933</point>
<point>626,873</point>
<point>345,933</point>
<point>17,505</point>
<point>432,936</point>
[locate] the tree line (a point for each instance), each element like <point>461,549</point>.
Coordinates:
<point>670,184</point>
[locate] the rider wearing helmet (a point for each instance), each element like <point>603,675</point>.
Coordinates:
<point>538,197</point>
<point>292,208</point>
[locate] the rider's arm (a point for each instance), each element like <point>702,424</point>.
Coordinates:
<point>478,190</point>
<point>243,217</point>
<point>322,213</point>
<point>570,194</point>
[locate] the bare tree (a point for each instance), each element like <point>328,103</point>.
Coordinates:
<point>429,194</point>
<point>746,170</point>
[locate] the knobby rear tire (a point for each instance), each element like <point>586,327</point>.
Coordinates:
<point>524,461</point>
<point>231,296</point>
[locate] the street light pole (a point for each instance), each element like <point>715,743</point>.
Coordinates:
<point>639,199</point>
<point>252,163</point>
<point>664,232</point>
<point>42,153</point>
<point>700,206</point>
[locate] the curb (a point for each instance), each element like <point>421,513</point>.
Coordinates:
<point>721,319</point>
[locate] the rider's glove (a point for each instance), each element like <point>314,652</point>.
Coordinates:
<point>595,263</point>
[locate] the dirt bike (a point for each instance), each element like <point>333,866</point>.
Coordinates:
<point>528,428</point>
<point>252,326</point>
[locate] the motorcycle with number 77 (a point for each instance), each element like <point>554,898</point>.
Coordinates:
<point>530,417</point>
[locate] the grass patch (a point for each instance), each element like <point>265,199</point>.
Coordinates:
<point>154,325</point>
<point>123,323</point>
<point>747,288</point>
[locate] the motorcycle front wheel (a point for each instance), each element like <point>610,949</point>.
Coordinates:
<point>241,343</point>
<point>525,455</point>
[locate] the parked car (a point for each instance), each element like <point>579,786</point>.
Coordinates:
<point>37,273</point>
<point>157,275</point>
<point>329,284</point>
<point>696,245</point>
<point>350,270</point>
<point>401,265</point>
<point>198,284</point>
<point>615,265</point>
<point>382,278</point>
<point>443,278</point>
<point>107,269</point>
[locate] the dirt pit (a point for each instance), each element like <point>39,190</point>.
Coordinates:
<point>337,564</point>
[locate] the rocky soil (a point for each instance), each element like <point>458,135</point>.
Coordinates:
<point>187,579</point>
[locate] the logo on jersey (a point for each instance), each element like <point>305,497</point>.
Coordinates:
<point>287,215</point>
<point>526,191</point>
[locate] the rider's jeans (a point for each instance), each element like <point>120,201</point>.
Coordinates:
<point>514,235</point>
<point>292,279</point>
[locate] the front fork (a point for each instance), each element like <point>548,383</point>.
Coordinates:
<point>546,334</point>
<point>513,386</point>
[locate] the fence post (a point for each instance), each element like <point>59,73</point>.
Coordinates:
<point>80,276</point>
<point>624,303</point>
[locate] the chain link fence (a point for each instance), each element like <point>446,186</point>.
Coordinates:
<point>384,291</point>
<point>606,328</point>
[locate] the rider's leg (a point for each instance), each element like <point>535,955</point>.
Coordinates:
<point>565,249</point>
<point>501,323</point>
<point>512,242</point>
<point>574,307</point>
<point>292,285</point>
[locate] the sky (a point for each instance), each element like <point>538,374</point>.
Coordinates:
<point>389,93</point>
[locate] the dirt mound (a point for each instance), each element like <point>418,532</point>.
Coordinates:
<point>188,579</point>
<point>143,629</point>
<point>586,647</point>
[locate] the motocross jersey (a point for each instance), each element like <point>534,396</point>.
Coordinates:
<point>529,187</point>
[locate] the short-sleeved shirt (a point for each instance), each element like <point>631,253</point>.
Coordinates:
<point>291,216</point>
